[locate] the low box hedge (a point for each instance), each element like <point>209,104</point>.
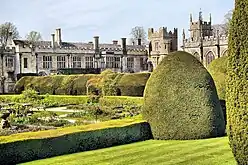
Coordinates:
<point>24,147</point>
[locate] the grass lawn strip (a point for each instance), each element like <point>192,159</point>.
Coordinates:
<point>192,152</point>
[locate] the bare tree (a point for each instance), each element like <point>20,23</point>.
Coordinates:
<point>6,30</point>
<point>138,32</point>
<point>33,36</point>
<point>227,21</point>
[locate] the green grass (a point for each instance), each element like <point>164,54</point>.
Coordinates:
<point>193,152</point>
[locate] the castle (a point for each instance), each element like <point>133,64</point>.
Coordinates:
<point>48,57</point>
<point>203,43</point>
<point>43,58</point>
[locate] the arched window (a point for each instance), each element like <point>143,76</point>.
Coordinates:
<point>197,55</point>
<point>225,53</point>
<point>209,57</point>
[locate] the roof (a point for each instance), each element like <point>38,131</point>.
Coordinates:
<point>80,45</point>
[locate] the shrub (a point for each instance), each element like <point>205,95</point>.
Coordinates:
<point>133,84</point>
<point>80,84</point>
<point>44,144</point>
<point>22,83</point>
<point>181,101</point>
<point>120,101</point>
<point>107,84</point>
<point>218,70</point>
<point>237,83</point>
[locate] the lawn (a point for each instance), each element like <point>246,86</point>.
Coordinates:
<point>193,152</point>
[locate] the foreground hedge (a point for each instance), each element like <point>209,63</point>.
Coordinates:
<point>237,83</point>
<point>107,83</point>
<point>25,147</point>
<point>180,100</point>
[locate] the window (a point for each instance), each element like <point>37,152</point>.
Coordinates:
<point>76,62</point>
<point>209,57</point>
<point>89,62</point>
<point>130,62</point>
<point>25,61</point>
<point>102,62</point>
<point>60,61</point>
<point>156,46</point>
<point>9,62</point>
<point>47,62</point>
<point>117,62</point>
<point>113,62</point>
<point>141,63</point>
<point>109,62</point>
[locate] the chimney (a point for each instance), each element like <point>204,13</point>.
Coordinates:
<point>58,36</point>
<point>53,40</point>
<point>124,44</point>
<point>96,42</point>
<point>115,42</point>
<point>139,41</point>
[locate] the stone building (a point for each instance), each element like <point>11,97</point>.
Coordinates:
<point>205,44</point>
<point>161,43</point>
<point>47,57</point>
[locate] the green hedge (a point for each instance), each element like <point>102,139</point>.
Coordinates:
<point>237,83</point>
<point>25,147</point>
<point>108,83</point>
<point>218,70</point>
<point>129,86</point>
<point>180,100</point>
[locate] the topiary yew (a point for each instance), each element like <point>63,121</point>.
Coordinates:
<point>218,70</point>
<point>180,100</point>
<point>237,83</point>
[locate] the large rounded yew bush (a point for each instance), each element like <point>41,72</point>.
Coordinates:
<point>180,100</point>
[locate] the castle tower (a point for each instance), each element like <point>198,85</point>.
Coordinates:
<point>200,28</point>
<point>161,43</point>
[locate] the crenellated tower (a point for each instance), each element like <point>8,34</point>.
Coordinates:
<point>202,43</point>
<point>200,28</point>
<point>161,43</point>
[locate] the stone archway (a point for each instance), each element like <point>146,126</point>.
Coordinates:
<point>197,56</point>
<point>209,57</point>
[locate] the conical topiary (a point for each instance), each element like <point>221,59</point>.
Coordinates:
<point>180,100</point>
<point>237,83</point>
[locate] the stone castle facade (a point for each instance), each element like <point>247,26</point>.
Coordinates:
<point>46,57</point>
<point>203,43</point>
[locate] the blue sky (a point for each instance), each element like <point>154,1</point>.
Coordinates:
<point>80,20</point>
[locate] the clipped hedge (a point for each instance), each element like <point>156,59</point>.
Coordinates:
<point>237,83</point>
<point>180,100</point>
<point>25,147</point>
<point>218,70</point>
<point>129,86</point>
<point>107,83</point>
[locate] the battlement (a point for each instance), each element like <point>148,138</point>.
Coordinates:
<point>206,41</point>
<point>204,23</point>
<point>162,33</point>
